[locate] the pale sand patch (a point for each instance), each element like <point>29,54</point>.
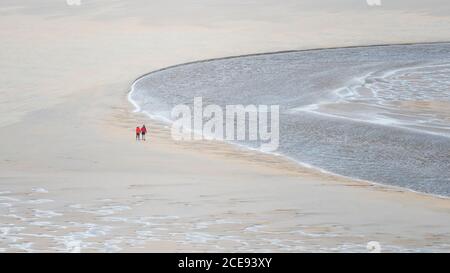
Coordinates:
<point>441,108</point>
<point>67,136</point>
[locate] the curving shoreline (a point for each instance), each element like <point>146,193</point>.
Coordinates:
<point>281,52</point>
<point>286,156</point>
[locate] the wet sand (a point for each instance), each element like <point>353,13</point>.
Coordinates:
<point>72,178</point>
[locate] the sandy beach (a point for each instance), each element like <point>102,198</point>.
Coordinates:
<point>73,178</point>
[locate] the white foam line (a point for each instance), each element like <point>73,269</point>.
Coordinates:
<point>38,201</point>
<point>6,198</point>
<point>23,246</point>
<point>46,213</point>
<point>5,205</point>
<point>394,71</point>
<point>39,190</point>
<point>137,108</point>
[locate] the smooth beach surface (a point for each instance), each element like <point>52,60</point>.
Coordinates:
<point>72,177</point>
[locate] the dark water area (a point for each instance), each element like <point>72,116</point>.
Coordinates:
<point>379,113</point>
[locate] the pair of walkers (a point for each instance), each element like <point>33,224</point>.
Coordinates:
<point>140,132</point>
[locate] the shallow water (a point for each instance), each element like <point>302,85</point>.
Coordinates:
<point>105,225</point>
<point>375,113</point>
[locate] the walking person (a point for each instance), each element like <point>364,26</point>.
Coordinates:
<point>143,132</point>
<point>138,133</point>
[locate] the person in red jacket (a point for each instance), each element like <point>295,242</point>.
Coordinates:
<point>143,132</point>
<point>138,133</point>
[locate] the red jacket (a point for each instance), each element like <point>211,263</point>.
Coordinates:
<point>138,130</point>
<point>144,130</point>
